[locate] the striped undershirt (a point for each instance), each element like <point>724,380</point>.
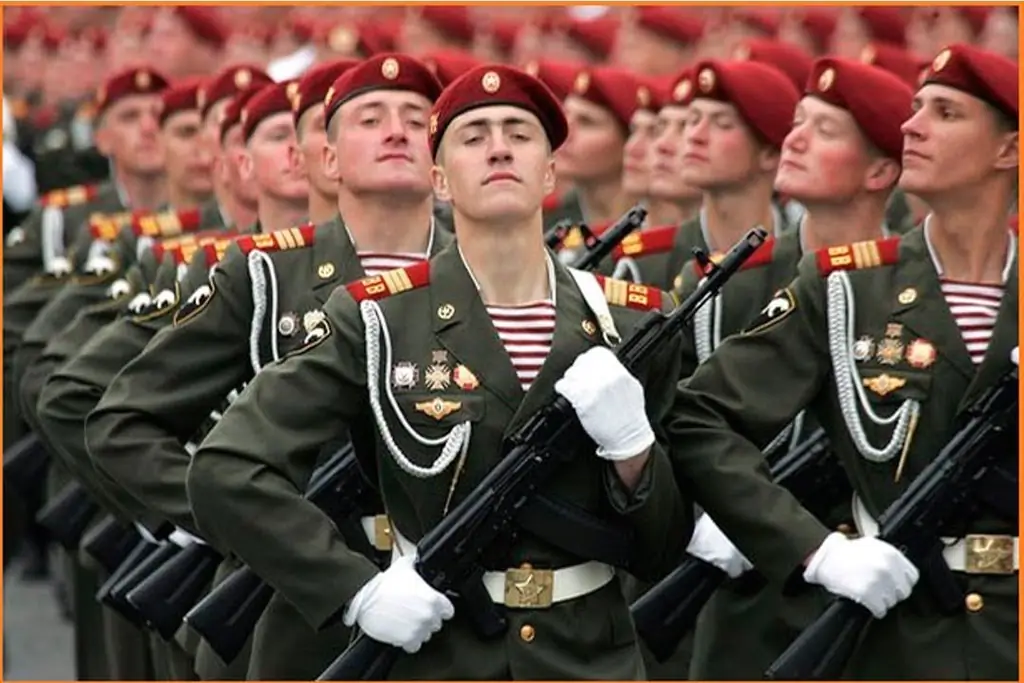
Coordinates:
<point>375,262</point>
<point>974,307</point>
<point>526,332</point>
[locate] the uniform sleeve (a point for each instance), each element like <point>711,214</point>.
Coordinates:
<point>736,402</point>
<point>137,433</point>
<point>247,479</point>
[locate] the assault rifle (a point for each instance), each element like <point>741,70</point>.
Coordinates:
<point>67,515</point>
<point>25,463</point>
<point>448,556</point>
<point>945,492</point>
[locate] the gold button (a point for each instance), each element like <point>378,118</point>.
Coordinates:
<point>527,633</point>
<point>974,602</point>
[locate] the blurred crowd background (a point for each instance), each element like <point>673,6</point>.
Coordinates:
<point>55,58</point>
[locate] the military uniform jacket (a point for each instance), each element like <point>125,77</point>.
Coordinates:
<point>266,446</point>
<point>906,352</point>
<point>224,332</point>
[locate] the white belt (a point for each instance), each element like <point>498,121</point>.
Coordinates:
<point>526,587</point>
<point>956,551</point>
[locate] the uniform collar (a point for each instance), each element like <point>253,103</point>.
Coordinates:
<point>778,226</point>
<point>1011,253</point>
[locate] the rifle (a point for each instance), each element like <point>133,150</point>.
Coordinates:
<point>597,247</point>
<point>139,553</point>
<point>228,614</point>
<point>668,611</point>
<point>110,542</point>
<point>67,515</point>
<point>554,236</point>
<point>25,463</point>
<point>942,494</point>
<point>164,597</point>
<point>448,555</point>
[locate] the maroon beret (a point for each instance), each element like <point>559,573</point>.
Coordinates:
<point>878,101</point>
<point>596,35</point>
<point>896,61</point>
<point>762,94</point>
<point>233,113</point>
<point>382,72</point>
<point>787,58</point>
<point>315,83</point>
<point>228,83</point>
<point>976,16</point>
<point>651,92</point>
<point>885,23</point>
<point>761,19</point>
<point>608,87</point>
<point>677,25</point>
<point>819,23</point>
<point>449,64</point>
<point>138,81</point>
<point>558,76</point>
<point>179,97</point>
<point>986,75</point>
<point>453,21</point>
<point>205,23</point>
<point>494,84</point>
<point>680,89</point>
<point>275,98</point>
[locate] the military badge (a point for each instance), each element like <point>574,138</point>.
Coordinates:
<point>777,310</point>
<point>164,299</point>
<point>890,351</point>
<point>437,377</point>
<point>438,408</point>
<point>288,324</point>
<point>315,324</point>
<point>863,348</point>
<point>139,303</point>
<point>921,354</point>
<point>884,385</point>
<point>118,289</point>
<point>589,328</point>
<point>445,311</point>
<point>907,296</point>
<point>195,304</point>
<point>464,378</point>
<point>438,356</point>
<point>404,375</point>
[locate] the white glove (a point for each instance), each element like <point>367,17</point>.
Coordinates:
<point>398,607</point>
<point>1015,355</point>
<point>866,570</point>
<point>609,403</point>
<point>711,545</point>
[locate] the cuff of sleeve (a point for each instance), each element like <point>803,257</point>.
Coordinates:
<point>622,499</point>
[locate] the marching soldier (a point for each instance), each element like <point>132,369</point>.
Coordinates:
<point>841,160</point>
<point>887,342</point>
<point>377,157</point>
<point>455,372</point>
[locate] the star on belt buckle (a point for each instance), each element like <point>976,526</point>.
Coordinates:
<point>381,533</point>
<point>529,588</point>
<point>989,554</point>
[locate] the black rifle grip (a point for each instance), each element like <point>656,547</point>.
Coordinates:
<point>822,650</point>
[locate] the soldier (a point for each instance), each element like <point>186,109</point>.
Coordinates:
<point>187,40</point>
<point>935,323</point>
<point>731,153</point>
<point>492,135</point>
<point>430,28</point>
<point>858,27</point>
<point>658,41</point>
<point>841,160</point>
<point>680,200</point>
<point>377,157</point>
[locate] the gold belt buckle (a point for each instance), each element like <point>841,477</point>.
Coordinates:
<point>381,533</point>
<point>989,554</point>
<point>529,588</point>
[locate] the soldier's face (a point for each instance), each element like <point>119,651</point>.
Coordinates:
<point>170,44</point>
<point>953,141</point>
<point>594,149</point>
<point>234,155</point>
<point>719,150</point>
<point>380,144</point>
<point>188,160</point>
<point>495,165</point>
<point>211,138</point>
<point>636,165</point>
<point>311,140</point>
<point>850,36</point>
<point>667,182</point>
<point>130,134</point>
<point>646,52</point>
<point>268,165</point>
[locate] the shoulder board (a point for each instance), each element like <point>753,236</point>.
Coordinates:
<point>281,240</point>
<point>859,255</point>
<point>215,249</point>
<point>392,282</point>
<point>574,236</point>
<point>106,226</point>
<point>165,223</point>
<point>629,295</point>
<point>183,249</point>
<point>651,241</point>
<point>69,196</point>
<point>761,257</point>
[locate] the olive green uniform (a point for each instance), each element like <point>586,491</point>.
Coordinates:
<point>212,356</point>
<point>266,445</point>
<point>732,407</point>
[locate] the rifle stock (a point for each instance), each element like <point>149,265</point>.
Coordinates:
<point>25,463</point>
<point>228,614</point>
<point>67,515</point>
<point>164,597</point>
<point>115,597</point>
<point>449,552</point>
<point>110,542</point>
<point>138,554</point>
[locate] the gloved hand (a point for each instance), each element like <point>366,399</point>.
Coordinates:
<point>708,543</point>
<point>398,607</point>
<point>1015,356</point>
<point>609,403</point>
<point>866,570</point>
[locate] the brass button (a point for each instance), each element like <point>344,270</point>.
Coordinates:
<point>974,602</point>
<point>527,633</point>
